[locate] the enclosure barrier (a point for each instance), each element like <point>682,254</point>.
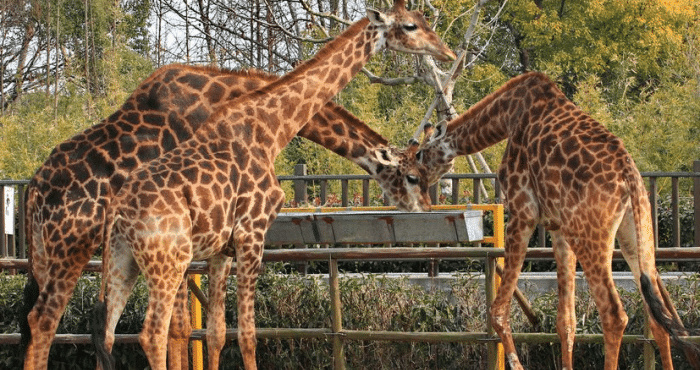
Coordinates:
<point>340,336</point>
<point>12,245</point>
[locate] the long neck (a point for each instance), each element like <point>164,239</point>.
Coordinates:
<point>195,92</point>
<point>502,113</point>
<point>338,130</point>
<point>287,104</point>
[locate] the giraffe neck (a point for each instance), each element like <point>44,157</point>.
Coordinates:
<point>286,105</point>
<point>347,136</point>
<point>501,114</point>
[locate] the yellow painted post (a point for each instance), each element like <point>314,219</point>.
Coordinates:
<point>499,242</point>
<point>196,322</point>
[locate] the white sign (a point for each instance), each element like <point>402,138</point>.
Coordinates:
<point>9,210</point>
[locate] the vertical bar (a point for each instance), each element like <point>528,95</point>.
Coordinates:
<point>696,202</point>
<point>324,188</point>
<point>477,191</point>
<point>196,322</point>
<point>675,214</point>
<point>455,191</point>
<point>344,192</point>
<point>653,199</point>
<point>434,193</point>
<point>497,191</point>
<point>649,350</point>
<point>3,244</point>
<point>336,321</point>
<point>22,214</point>
<point>300,185</point>
<point>365,192</point>
<point>541,236</point>
<point>496,357</point>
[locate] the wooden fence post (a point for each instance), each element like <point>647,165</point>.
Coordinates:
<point>337,318</point>
<point>300,185</point>
<point>696,199</point>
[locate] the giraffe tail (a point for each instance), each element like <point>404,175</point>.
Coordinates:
<point>98,323</point>
<point>99,320</point>
<point>31,288</point>
<point>655,294</point>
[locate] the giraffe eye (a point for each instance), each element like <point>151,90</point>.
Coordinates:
<point>413,180</point>
<point>410,27</point>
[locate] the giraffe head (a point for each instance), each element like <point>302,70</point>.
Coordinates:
<point>402,178</point>
<point>436,154</point>
<point>408,31</point>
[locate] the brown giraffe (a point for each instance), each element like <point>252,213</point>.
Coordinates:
<point>216,194</point>
<point>563,169</point>
<point>64,201</point>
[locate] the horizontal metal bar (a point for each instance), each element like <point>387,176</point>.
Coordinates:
<point>445,176</point>
<point>399,253</point>
<point>378,335</point>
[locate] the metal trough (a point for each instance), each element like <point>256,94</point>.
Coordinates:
<point>376,227</point>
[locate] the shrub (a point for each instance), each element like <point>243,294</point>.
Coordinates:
<point>370,302</point>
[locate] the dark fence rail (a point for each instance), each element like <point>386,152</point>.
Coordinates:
<point>453,189</point>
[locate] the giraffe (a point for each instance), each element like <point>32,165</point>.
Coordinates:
<point>216,194</point>
<point>563,169</point>
<point>67,197</point>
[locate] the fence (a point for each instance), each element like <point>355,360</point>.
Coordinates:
<point>12,254</point>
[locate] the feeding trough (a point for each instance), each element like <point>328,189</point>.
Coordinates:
<point>376,227</point>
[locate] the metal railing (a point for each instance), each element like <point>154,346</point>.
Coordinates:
<point>12,255</point>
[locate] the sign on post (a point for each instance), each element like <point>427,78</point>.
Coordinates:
<point>9,211</point>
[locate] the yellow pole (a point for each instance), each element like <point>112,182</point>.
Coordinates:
<point>196,322</point>
<point>499,235</point>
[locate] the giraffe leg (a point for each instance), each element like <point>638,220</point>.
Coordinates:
<point>118,283</point>
<point>164,279</point>
<point>45,315</point>
<point>220,267</point>
<point>180,330</point>
<point>627,238</point>
<point>518,235</point>
<point>566,312</point>
<point>248,262</point>
<point>597,266</point>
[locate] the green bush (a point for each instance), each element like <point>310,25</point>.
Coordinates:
<point>372,302</point>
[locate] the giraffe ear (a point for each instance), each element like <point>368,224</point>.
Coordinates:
<point>439,131</point>
<point>378,18</point>
<point>386,157</point>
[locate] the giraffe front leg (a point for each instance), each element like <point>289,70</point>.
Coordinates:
<point>219,269</point>
<point>566,310</point>
<point>180,330</point>
<point>248,262</point>
<point>518,235</point>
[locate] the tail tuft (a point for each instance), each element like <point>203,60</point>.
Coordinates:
<point>673,327</point>
<point>31,295</point>
<point>99,319</point>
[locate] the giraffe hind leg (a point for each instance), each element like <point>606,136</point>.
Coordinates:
<point>180,330</point>
<point>566,283</point>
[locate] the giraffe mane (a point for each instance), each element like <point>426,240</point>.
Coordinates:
<point>322,54</point>
<point>479,106</point>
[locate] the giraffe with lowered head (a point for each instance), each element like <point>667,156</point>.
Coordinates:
<point>216,194</point>
<point>563,169</point>
<point>68,195</point>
